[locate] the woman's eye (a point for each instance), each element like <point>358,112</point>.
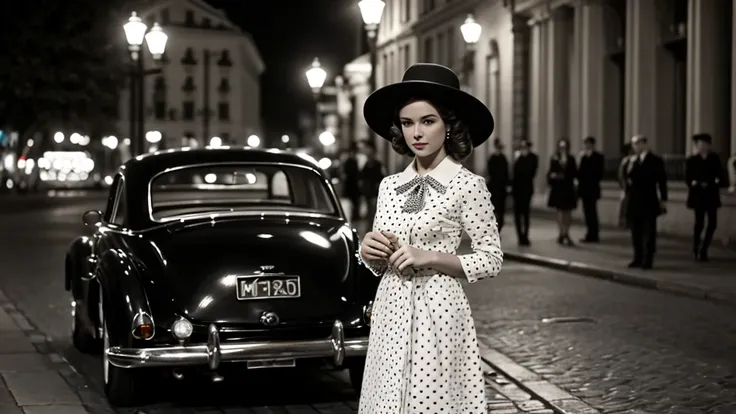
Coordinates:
<point>405,124</point>
<point>428,121</point>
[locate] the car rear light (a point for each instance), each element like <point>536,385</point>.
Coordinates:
<point>181,329</point>
<point>367,313</point>
<point>143,327</point>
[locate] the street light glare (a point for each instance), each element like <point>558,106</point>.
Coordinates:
<point>285,139</point>
<point>153,136</point>
<point>135,30</point>
<point>156,40</point>
<point>326,138</point>
<point>316,75</point>
<point>471,30</point>
<point>59,137</point>
<point>372,11</point>
<point>254,141</point>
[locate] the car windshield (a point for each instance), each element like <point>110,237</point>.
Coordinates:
<point>238,187</point>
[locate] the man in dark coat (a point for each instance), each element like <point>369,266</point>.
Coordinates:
<point>351,182</point>
<point>703,176</point>
<point>371,175</point>
<point>646,175</point>
<point>590,174</point>
<point>498,181</point>
<point>526,165</point>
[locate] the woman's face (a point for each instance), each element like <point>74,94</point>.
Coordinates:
<point>423,129</point>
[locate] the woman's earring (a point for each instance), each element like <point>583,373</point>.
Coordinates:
<point>447,134</point>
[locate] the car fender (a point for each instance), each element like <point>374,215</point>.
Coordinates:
<point>76,265</point>
<point>124,297</point>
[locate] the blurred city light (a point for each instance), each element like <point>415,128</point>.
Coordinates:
<point>326,138</point>
<point>471,30</point>
<point>371,11</point>
<point>59,137</point>
<point>215,142</point>
<point>316,75</point>
<point>285,139</point>
<point>254,141</point>
<point>325,163</point>
<point>156,40</point>
<point>153,136</point>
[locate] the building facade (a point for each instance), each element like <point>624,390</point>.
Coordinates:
<point>611,69</point>
<point>210,80</point>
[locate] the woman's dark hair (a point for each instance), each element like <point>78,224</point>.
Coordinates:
<point>458,144</point>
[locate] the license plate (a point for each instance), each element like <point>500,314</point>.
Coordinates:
<point>268,287</point>
<point>271,363</point>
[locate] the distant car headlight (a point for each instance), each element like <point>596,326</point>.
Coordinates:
<point>181,329</point>
<point>367,313</point>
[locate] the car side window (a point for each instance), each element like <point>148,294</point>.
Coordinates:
<point>118,212</point>
<point>112,198</point>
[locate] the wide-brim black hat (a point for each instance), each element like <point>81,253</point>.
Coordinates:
<point>435,83</point>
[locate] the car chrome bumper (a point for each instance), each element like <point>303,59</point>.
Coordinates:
<point>213,353</point>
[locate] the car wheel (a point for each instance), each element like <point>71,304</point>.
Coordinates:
<point>124,387</point>
<point>82,339</point>
<point>356,367</point>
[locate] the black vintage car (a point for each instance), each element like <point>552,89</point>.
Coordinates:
<point>215,258</point>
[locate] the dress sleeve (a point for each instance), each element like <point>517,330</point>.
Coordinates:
<point>479,222</point>
<point>376,267</point>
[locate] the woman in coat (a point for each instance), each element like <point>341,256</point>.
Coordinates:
<point>423,352</point>
<point>562,195</point>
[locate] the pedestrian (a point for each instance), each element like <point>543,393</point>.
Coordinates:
<point>562,197</point>
<point>526,164</point>
<point>371,175</point>
<point>623,169</point>
<point>590,175</point>
<point>645,176</point>
<point>351,182</point>
<point>423,352</point>
<point>498,181</point>
<point>703,176</point>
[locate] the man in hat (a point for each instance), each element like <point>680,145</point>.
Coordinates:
<point>703,178</point>
<point>498,181</point>
<point>590,174</point>
<point>526,165</point>
<point>351,181</point>
<point>645,176</point>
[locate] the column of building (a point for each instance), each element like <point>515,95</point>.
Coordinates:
<point>707,107</point>
<point>557,100</point>
<point>733,81</point>
<point>590,33</point>
<point>520,87</point>
<point>539,81</point>
<point>641,69</point>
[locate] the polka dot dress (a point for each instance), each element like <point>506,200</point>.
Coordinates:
<point>423,352</point>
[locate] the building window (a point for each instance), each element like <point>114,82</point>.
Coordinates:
<point>451,46</point>
<point>189,19</point>
<point>189,58</point>
<point>159,110</point>
<point>159,98</point>
<point>224,86</point>
<point>440,49</point>
<point>224,60</point>
<point>188,86</point>
<point>428,50</point>
<point>405,10</point>
<point>165,18</point>
<point>223,111</point>
<point>206,23</point>
<point>188,110</point>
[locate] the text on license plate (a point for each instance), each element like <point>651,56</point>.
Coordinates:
<point>268,287</point>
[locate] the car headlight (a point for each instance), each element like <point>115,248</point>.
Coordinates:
<point>181,329</point>
<point>367,313</point>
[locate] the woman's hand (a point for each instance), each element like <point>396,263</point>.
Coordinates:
<point>407,256</point>
<point>375,246</point>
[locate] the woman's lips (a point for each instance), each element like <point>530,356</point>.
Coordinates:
<point>419,145</point>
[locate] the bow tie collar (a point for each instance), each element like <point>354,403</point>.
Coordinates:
<point>419,187</point>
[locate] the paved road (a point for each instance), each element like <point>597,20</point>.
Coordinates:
<point>630,349</point>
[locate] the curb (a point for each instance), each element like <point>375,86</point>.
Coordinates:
<point>92,401</point>
<point>559,400</point>
<point>584,269</point>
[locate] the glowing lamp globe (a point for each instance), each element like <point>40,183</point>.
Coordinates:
<point>316,75</point>
<point>135,31</point>
<point>371,11</point>
<point>156,40</point>
<point>471,30</point>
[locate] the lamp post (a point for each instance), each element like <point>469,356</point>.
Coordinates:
<point>471,31</point>
<point>372,13</point>
<point>316,77</point>
<point>136,32</point>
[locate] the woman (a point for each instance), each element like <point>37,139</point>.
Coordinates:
<point>562,196</point>
<point>423,352</point>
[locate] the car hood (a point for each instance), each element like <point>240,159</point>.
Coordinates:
<point>204,261</point>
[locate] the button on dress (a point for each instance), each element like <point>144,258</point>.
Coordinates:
<point>423,351</point>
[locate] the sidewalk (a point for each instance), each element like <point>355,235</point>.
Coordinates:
<point>674,271</point>
<point>33,378</point>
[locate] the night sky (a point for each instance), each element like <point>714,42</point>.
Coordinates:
<point>289,34</point>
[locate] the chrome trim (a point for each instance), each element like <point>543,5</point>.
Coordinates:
<point>139,319</point>
<point>212,354</point>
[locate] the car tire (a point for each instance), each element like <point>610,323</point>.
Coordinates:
<point>124,387</point>
<point>356,367</point>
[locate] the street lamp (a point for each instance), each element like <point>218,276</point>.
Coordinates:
<point>471,32</point>
<point>316,76</point>
<point>372,13</point>
<point>136,32</point>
